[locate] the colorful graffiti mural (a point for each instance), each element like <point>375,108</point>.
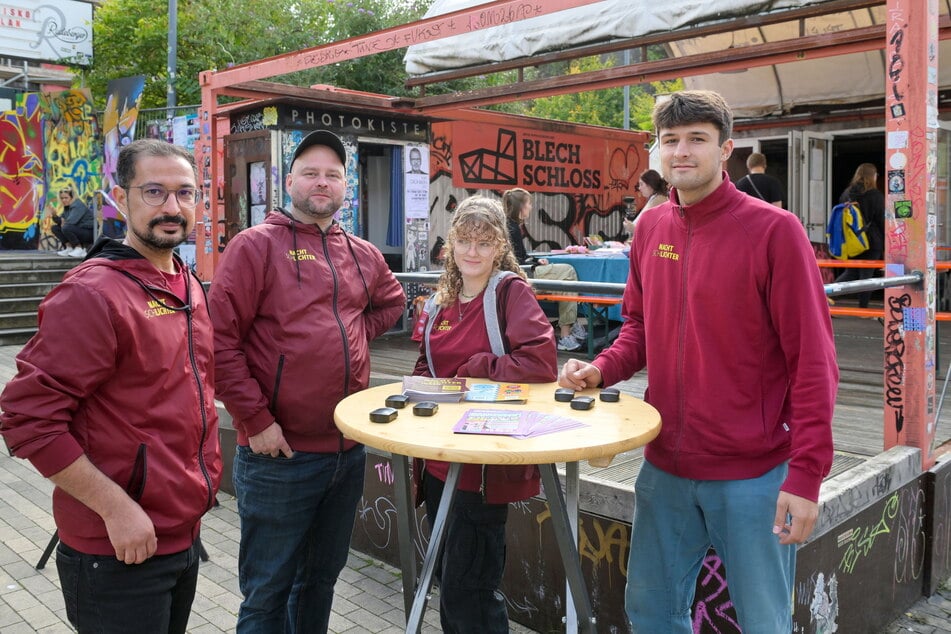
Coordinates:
<point>118,129</point>
<point>71,154</point>
<point>22,187</point>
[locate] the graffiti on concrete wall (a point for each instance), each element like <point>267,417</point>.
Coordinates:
<point>71,153</point>
<point>22,187</point>
<point>118,130</point>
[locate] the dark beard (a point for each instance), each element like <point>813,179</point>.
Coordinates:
<point>161,242</point>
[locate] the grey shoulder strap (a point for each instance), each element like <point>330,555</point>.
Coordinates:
<point>755,188</point>
<point>430,309</point>
<point>490,308</point>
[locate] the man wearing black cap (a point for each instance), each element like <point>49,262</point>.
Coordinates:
<point>295,302</point>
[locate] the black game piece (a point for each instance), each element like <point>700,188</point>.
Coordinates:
<point>582,402</point>
<point>610,395</point>
<point>383,415</point>
<point>426,408</point>
<point>564,394</point>
<point>397,401</point>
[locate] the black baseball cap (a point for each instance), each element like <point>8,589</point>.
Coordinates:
<point>322,137</point>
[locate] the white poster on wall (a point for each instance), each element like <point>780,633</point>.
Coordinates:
<point>47,30</point>
<point>416,181</point>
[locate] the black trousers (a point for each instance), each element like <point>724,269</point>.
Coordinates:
<point>72,235</point>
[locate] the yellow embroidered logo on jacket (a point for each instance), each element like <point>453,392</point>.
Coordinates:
<point>155,309</point>
<point>444,325</point>
<point>299,255</point>
<point>666,251</point>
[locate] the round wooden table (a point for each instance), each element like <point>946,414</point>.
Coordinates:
<point>611,428</point>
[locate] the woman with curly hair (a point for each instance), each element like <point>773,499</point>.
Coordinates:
<point>457,344</point>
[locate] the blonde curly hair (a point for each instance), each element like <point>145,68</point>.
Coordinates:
<point>479,219</point>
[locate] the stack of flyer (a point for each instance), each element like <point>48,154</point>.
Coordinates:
<point>426,388</point>
<point>511,422</point>
<point>498,392</point>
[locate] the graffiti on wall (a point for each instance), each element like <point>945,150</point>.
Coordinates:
<point>118,130</point>
<point>71,153</point>
<point>577,184</point>
<point>21,178</point>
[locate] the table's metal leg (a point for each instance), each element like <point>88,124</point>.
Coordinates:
<point>592,322</point>
<point>404,527</point>
<point>568,548</point>
<point>572,487</point>
<point>415,619</point>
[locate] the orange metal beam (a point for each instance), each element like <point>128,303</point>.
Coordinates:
<point>477,18</point>
<point>868,264</point>
<point>910,221</point>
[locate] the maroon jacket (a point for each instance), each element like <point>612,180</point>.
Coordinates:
<point>294,310</point>
<point>531,358</point>
<point>121,370</point>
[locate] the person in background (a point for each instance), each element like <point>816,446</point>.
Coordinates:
<point>74,227</point>
<point>863,189</point>
<point>456,344</point>
<point>295,302</point>
<point>758,183</point>
<point>653,188</point>
<point>518,207</point>
<point>736,338</point>
<point>114,402</point>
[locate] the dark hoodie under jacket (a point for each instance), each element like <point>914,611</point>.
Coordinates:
<point>121,370</point>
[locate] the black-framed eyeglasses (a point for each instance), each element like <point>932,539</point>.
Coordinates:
<point>156,195</point>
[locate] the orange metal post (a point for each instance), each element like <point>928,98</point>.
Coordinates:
<point>910,169</point>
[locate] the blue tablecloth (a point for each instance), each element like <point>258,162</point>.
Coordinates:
<point>596,268</point>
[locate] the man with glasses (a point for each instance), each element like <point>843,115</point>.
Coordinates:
<point>114,402</point>
<point>74,227</point>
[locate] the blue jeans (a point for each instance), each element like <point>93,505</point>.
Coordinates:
<point>470,563</point>
<point>677,520</point>
<point>296,519</point>
<point>104,595</point>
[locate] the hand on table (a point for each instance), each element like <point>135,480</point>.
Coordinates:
<point>271,441</point>
<point>802,518</point>
<point>579,375</point>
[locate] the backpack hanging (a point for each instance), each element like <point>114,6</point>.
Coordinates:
<point>846,231</point>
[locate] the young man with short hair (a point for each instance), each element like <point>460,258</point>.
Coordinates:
<point>725,308</point>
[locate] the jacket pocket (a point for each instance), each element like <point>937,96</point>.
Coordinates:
<point>136,485</point>
<point>277,384</point>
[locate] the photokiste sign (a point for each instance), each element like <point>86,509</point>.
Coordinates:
<point>543,161</point>
<point>47,30</point>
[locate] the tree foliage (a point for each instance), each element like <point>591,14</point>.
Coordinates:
<point>602,107</point>
<point>132,39</point>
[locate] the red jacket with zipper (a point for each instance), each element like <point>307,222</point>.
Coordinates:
<point>294,310</point>
<point>121,370</point>
<point>725,307</point>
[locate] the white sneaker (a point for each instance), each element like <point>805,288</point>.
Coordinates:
<point>568,343</point>
<point>579,332</point>
<point>78,252</point>
<point>64,252</point>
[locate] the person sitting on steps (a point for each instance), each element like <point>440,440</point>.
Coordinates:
<point>74,227</point>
